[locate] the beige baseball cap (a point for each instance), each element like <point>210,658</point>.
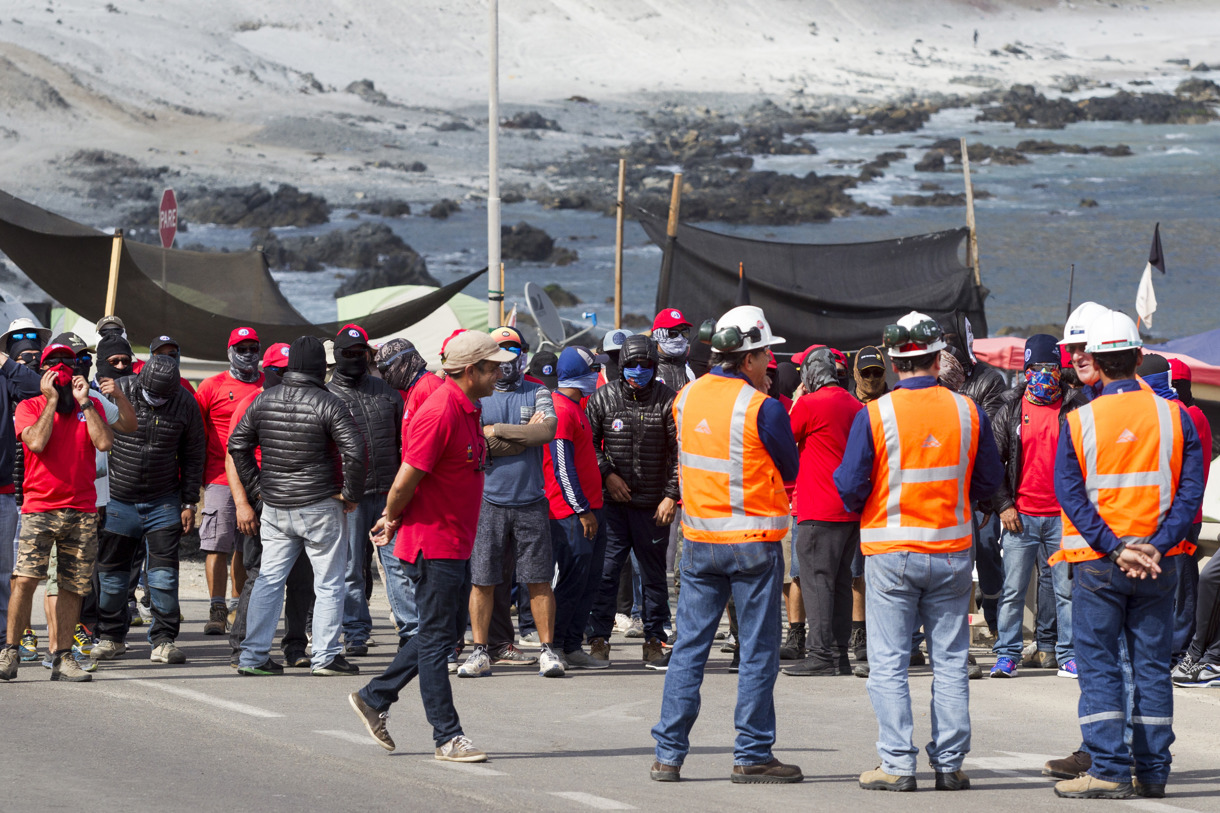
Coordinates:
<point>471,347</point>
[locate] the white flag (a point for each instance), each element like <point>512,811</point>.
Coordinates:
<point>1145,299</point>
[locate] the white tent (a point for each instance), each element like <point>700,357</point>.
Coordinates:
<point>462,311</point>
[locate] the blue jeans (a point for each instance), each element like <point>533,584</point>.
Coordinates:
<point>134,532</point>
<point>357,623</point>
<point>8,552</point>
<point>580,572</point>
<point>1023,552</point>
<point>400,591</point>
<point>1109,608</point>
<point>317,530</point>
<point>902,590</point>
<point>442,594</point>
<point>990,565</point>
<point>752,572</point>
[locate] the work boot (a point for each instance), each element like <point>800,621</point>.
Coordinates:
<point>770,773</point>
<point>218,617</point>
<point>735,664</point>
<point>652,650</point>
<point>858,644</point>
<point>65,667</point>
<point>9,658</point>
<point>1148,790</point>
<point>878,779</point>
<point>952,781</point>
<point>1068,767</point>
<point>599,649</point>
<point>794,648</point>
<point>1090,787</point>
<point>661,772</point>
<point>973,670</point>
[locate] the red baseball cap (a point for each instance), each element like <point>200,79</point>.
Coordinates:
<point>1179,370</point>
<point>54,348</point>
<point>772,364</point>
<point>242,334</point>
<point>669,317</point>
<point>276,355</point>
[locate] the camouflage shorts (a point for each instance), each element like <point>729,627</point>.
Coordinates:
<point>73,535</point>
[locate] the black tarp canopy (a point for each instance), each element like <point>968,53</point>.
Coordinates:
<point>205,294</point>
<point>842,295</point>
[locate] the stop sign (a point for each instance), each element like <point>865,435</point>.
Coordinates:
<point>168,221</point>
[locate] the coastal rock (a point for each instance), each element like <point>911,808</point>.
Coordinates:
<point>932,161</point>
<point>365,89</point>
<point>1198,90</point>
<point>395,271</point>
<point>444,208</point>
<point>253,207</point>
<point>533,120</point>
<point>1088,203</point>
<point>532,244</point>
<point>384,208</point>
<point>1023,106</point>
<point>980,153</point>
<point>935,199</point>
<point>562,297</point>
<point>1054,148</point>
<point>369,246</point>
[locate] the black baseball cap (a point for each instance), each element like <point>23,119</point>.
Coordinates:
<point>71,340</point>
<point>869,357</point>
<point>161,341</point>
<point>543,367</point>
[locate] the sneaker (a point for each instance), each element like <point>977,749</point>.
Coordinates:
<point>952,781</point>
<point>530,640</point>
<point>356,649</point>
<point>660,772</point>
<point>652,650</point>
<point>793,649</point>
<point>599,649</point>
<point>1196,675</point>
<point>84,661</point>
<point>730,643</point>
<point>1090,787</point>
<point>296,658</point>
<point>66,668</point>
<point>735,663</point>
<point>549,664</point>
<point>10,657</point>
<point>860,670</point>
<point>511,656</point>
<point>374,721</point>
<point>771,773</point>
<point>918,658</point>
<point>621,622</point>
<point>106,650</point>
<point>857,645</point>
<point>264,669</point>
<point>144,613</point>
<point>1149,790</point>
<point>460,749</point>
<point>635,629</point>
<point>1068,669</point>
<point>82,640</point>
<point>1182,668</point>
<point>811,667</point>
<point>49,661</point>
<point>452,661</point>
<point>1069,767</point>
<point>29,646</point>
<point>166,652</point>
<point>579,659</point>
<point>336,668</point>
<point>1005,667</point>
<point>660,664</point>
<point>134,614</point>
<point>477,665</point>
<point>877,779</point>
<point>973,670</point>
<point>216,624</point>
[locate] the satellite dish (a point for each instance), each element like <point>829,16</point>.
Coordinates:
<point>545,314</point>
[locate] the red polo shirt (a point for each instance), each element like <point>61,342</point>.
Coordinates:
<point>423,387</point>
<point>217,397</point>
<point>446,442</point>
<point>61,476</point>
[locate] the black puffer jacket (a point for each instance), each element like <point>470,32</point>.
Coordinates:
<point>986,386</point>
<point>643,449</point>
<point>311,446</point>
<point>165,454</point>
<point>672,372</point>
<point>377,409</point>
<point>1006,426</point>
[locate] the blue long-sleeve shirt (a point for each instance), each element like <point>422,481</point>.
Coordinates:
<point>774,430</point>
<point>17,382</point>
<point>1074,498</point>
<point>854,476</point>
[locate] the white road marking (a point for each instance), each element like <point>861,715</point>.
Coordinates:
<point>470,768</point>
<point>598,802</point>
<point>1003,766</point>
<point>349,736</point>
<point>200,697</point>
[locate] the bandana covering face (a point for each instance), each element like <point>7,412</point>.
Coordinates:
<point>638,377</point>
<point>673,348</point>
<point>818,369</point>
<point>868,389</point>
<point>511,372</point>
<point>63,374</point>
<point>244,366</point>
<point>1041,388</point>
<point>586,383</point>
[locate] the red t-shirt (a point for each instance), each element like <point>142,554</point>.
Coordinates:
<point>61,476</point>
<point>821,422</point>
<point>240,409</point>
<point>446,441</point>
<point>217,396</point>
<point>573,426</point>
<point>423,387</point>
<point>1039,440</point>
<point>1204,428</point>
<point>138,364</point>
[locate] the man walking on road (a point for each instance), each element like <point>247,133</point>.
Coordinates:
<point>735,451</point>
<point>916,460</point>
<point>1129,477</point>
<point>431,514</point>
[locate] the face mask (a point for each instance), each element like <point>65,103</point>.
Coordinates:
<point>272,376</point>
<point>244,365</point>
<point>586,383</point>
<point>638,377</point>
<point>63,374</point>
<point>675,347</point>
<point>355,368</point>
<point>106,370</point>
<point>29,360</point>
<point>1042,388</point>
<point>83,368</point>
<point>154,400</point>
<point>511,373</point>
<point>402,373</point>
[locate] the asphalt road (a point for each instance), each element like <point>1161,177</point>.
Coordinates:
<point>197,737</point>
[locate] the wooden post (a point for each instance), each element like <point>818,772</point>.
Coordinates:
<point>501,293</point>
<point>618,244</point>
<point>671,238</point>
<point>974,237</point>
<point>112,286</point>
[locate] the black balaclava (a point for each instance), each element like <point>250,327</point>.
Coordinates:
<point>112,345</point>
<point>159,379</point>
<point>786,379</point>
<point>15,349</point>
<point>111,329</point>
<point>244,365</point>
<point>308,357</point>
<point>272,377</point>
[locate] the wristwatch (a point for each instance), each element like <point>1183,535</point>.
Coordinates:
<point>186,505</point>
<point>1117,552</point>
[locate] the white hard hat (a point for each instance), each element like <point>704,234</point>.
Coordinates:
<point>1110,332</point>
<point>917,335</point>
<point>1078,322</point>
<point>752,329</point>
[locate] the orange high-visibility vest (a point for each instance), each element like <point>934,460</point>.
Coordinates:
<point>1129,446</point>
<point>732,490</point>
<point>924,444</point>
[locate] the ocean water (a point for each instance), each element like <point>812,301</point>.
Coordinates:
<point>1030,231</point>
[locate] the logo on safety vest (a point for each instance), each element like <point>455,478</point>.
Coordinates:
<point>1127,437</point>
<point>930,442</point>
<point>703,427</point>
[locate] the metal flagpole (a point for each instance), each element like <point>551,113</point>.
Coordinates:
<point>494,296</point>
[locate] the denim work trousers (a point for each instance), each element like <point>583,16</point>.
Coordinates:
<point>357,623</point>
<point>160,525</point>
<point>1023,552</point>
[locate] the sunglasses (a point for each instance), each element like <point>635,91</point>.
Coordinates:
<point>353,352</point>
<point>1044,367</point>
<point>17,336</point>
<point>85,358</point>
<point>512,348</point>
<point>647,364</point>
<point>119,361</point>
<point>872,372</point>
<point>675,332</point>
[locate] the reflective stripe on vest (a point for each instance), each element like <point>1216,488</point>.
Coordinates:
<point>894,531</point>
